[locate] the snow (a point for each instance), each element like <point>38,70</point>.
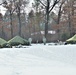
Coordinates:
<point>38,59</point>
<point>2,10</point>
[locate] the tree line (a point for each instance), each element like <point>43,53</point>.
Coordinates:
<point>38,19</point>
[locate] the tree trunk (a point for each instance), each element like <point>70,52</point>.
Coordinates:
<point>47,19</point>
<point>59,14</point>
<point>69,21</point>
<point>58,21</point>
<point>29,30</point>
<point>19,21</point>
<point>11,24</point>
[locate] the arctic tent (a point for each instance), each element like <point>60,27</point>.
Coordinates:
<point>2,42</point>
<point>71,40</point>
<point>17,40</point>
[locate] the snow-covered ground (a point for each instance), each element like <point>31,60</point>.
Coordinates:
<point>38,59</point>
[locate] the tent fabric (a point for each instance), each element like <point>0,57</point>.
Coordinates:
<point>72,38</point>
<point>2,41</point>
<point>17,40</point>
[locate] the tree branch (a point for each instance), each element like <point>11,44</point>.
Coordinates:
<point>14,10</point>
<point>42,3</point>
<point>55,2</point>
<point>59,13</point>
<point>3,3</point>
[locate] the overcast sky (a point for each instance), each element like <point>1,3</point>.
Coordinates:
<point>0,1</point>
<point>2,10</point>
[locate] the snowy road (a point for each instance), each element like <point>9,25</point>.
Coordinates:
<point>38,60</point>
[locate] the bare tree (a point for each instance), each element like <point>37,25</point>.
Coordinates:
<point>48,5</point>
<point>9,7</point>
<point>60,8</point>
<point>19,5</point>
<point>61,3</point>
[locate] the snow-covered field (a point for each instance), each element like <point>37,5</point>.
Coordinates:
<point>38,59</point>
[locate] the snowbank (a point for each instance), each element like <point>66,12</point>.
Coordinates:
<point>38,59</point>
